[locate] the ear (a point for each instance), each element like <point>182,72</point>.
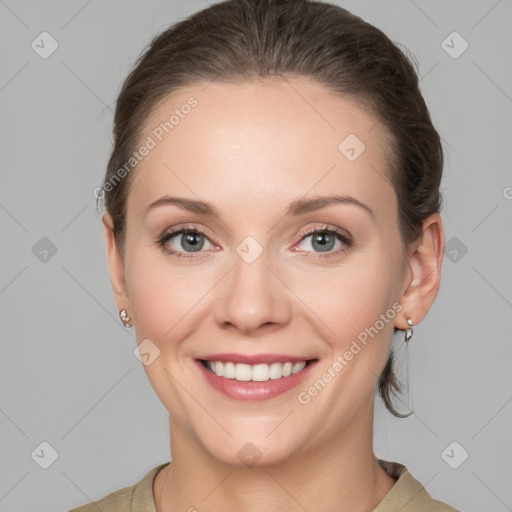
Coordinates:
<point>115,264</point>
<point>424,273</point>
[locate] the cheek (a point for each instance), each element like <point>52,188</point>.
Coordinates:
<point>348,299</point>
<point>162,294</point>
<point>164,302</point>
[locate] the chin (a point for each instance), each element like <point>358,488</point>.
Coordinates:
<point>251,454</point>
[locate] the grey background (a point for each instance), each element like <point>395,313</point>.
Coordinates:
<point>68,375</point>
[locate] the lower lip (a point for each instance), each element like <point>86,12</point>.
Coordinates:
<point>251,391</point>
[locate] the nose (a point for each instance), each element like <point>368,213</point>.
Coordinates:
<point>252,297</point>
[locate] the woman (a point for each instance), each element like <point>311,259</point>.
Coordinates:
<point>272,218</point>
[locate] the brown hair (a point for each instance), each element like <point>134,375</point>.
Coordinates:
<point>242,40</point>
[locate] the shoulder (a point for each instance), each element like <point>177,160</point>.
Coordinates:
<point>135,497</point>
<point>408,494</point>
<point>117,501</point>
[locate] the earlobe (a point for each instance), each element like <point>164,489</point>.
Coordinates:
<point>115,262</point>
<point>424,275</point>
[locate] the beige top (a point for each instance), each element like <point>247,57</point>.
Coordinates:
<point>407,495</point>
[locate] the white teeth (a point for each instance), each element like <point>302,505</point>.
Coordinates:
<point>243,372</point>
<point>287,369</point>
<point>297,367</point>
<point>229,370</point>
<point>276,371</point>
<point>258,372</point>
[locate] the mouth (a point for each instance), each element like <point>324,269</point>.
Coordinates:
<point>259,381</point>
<point>257,372</point>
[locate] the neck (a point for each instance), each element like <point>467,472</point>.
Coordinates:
<point>343,476</point>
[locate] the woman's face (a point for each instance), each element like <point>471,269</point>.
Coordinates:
<point>253,288</point>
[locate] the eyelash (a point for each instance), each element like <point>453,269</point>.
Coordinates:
<point>163,239</point>
<point>341,236</point>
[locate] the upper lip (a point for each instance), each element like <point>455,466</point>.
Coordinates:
<point>255,358</point>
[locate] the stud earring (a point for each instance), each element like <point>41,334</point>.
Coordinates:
<point>123,315</point>
<point>408,331</point>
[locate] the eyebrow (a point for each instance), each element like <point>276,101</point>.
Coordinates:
<point>296,208</point>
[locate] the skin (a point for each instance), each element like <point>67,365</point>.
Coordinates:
<point>250,150</point>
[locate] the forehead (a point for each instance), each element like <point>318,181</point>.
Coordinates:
<point>261,140</point>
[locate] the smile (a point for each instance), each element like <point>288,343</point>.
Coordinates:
<point>254,378</point>
<point>256,373</point>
